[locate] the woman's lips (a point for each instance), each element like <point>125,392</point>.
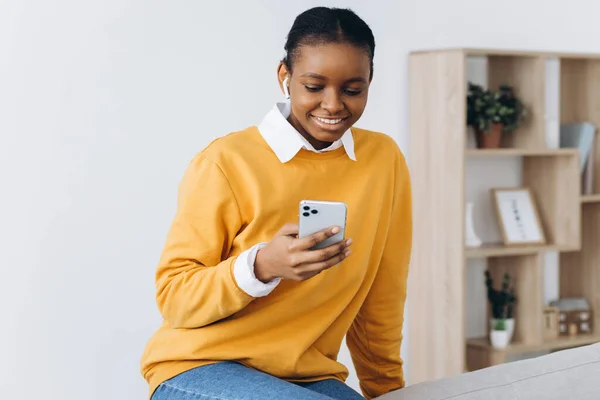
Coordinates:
<point>328,123</point>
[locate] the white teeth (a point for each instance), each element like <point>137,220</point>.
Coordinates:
<point>330,121</point>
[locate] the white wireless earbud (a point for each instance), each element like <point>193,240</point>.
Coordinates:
<point>286,89</point>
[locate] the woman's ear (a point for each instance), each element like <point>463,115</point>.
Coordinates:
<point>284,79</point>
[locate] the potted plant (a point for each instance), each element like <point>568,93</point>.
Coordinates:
<point>502,303</point>
<point>499,335</point>
<point>492,113</point>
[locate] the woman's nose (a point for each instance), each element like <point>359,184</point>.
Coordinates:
<point>332,102</point>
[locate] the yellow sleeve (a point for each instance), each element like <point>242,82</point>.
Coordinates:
<point>194,280</point>
<point>375,336</point>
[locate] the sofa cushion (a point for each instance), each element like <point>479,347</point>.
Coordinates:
<point>567,374</point>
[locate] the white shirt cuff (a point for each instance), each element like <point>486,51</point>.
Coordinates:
<point>243,272</point>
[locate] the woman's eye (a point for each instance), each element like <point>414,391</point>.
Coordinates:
<point>350,92</point>
<point>312,88</point>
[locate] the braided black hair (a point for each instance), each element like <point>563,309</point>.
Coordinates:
<point>321,25</point>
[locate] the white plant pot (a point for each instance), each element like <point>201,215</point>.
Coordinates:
<point>509,324</point>
<point>499,339</point>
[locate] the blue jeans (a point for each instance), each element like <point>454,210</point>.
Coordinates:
<point>234,381</point>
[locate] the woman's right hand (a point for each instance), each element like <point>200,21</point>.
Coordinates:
<point>289,257</point>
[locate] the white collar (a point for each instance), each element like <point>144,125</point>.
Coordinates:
<point>286,141</point>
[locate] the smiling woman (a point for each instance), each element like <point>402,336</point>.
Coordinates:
<point>327,73</point>
<point>253,311</point>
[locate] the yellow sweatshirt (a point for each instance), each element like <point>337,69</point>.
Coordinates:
<point>235,194</point>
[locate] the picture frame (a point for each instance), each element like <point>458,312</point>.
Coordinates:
<point>518,216</point>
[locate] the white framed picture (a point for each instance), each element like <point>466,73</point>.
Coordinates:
<point>518,216</point>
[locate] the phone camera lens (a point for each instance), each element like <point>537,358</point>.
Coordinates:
<point>306,208</point>
<point>314,211</point>
<point>306,214</point>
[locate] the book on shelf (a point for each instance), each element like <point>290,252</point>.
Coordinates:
<point>581,136</point>
<point>587,182</point>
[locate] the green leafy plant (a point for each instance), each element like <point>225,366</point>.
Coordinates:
<point>503,300</point>
<point>486,107</point>
<point>500,325</point>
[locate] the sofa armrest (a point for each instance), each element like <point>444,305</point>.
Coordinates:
<point>566,374</point>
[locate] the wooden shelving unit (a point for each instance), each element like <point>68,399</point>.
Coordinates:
<point>594,198</point>
<point>518,152</point>
<point>438,159</point>
<point>520,348</point>
<point>481,354</point>
<point>500,250</point>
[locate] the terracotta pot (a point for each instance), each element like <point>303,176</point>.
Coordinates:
<point>490,139</point>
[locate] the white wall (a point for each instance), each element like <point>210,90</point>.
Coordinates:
<point>102,104</point>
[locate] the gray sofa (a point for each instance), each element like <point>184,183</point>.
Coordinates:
<point>572,374</point>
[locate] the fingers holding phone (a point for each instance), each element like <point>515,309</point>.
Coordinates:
<point>311,262</point>
<point>296,258</point>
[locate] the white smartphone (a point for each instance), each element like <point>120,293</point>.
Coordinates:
<point>317,215</point>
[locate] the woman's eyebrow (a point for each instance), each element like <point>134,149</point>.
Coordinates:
<point>323,78</point>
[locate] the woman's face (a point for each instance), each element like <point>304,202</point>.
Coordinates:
<point>328,90</point>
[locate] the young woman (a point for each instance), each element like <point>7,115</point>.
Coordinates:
<point>250,311</point>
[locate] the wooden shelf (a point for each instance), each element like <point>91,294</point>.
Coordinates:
<point>591,198</point>
<point>446,174</point>
<point>500,250</point>
<point>521,348</point>
<point>519,152</point>
<point>507,52</point>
